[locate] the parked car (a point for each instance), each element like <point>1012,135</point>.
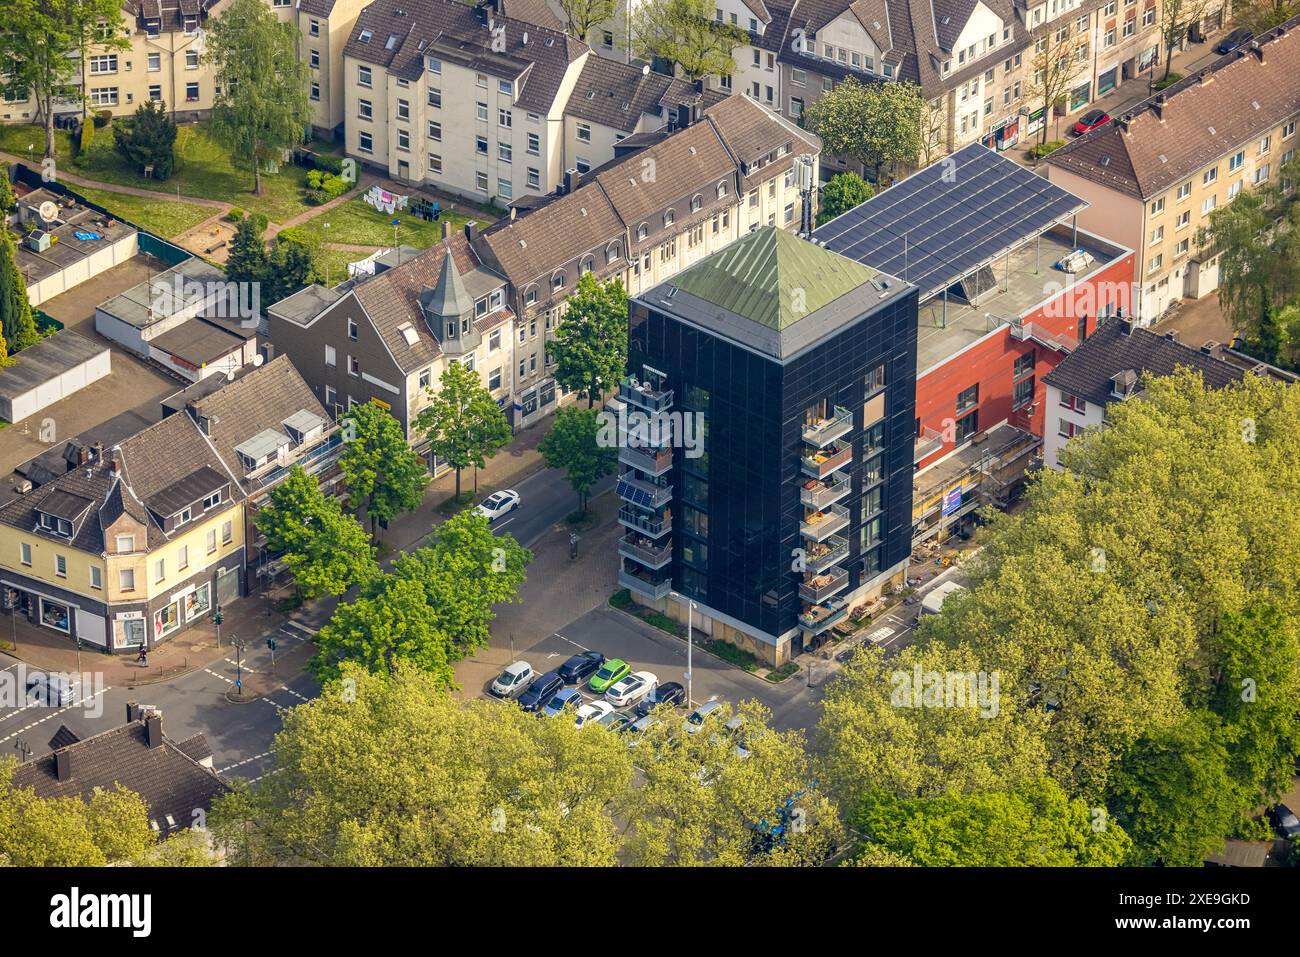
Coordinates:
<point>513,680</point>
<point>564,698</point>
<point>594,712</point>
<point>637,729</point>
<point>541,691</point>
<point>1234,39</point>
<point>615,720</point>
<point>52,691</point>
<point>612,671</point>
<point>735,729</point>
<point>1090,121</point>
<point>701,714</point>
<point>1285,820</point>
<point>671,693</point>
<point>631,689</point>
<point>580,666</point>
<point>498,504</point>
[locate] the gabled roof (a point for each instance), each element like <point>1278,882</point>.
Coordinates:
<point>1201,118</point>
<point>402,33</point>
<point>618,95</point>
<point>1116,348</point>
<point>391,299</point>
<point>258,401</point>
<point>169,780</point>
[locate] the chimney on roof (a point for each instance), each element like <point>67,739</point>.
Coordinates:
<point>1172,335</point>
<point>1126,327</point>
<point>481,12</point>
<point>132,712</point>
<point>683,115</point>
<point>446,230</point>
<point>153,735</point>
<point>1207,76</point>
<point>115,463</point>
<point>570,180</point>
<point>63,764</point>
<point>471,230</point>
<point>1161,104</point>
<point>97,452</point>
<point>1257,48</point>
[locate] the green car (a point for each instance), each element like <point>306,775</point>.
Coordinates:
<point>612,671</point>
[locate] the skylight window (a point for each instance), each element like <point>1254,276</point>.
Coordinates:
<point>409,334</point>
<point>365,36</point>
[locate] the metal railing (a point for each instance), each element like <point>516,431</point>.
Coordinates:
<point>833,580</point>
<point>637,519</point>
<point>826,431</point>
<point>822,525</point>
<point>828,492</point>
<point>828,463</point>
<point>652,556</point>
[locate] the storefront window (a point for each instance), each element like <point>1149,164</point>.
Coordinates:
<point>1080,95</point>
<point>198,602</point>
<point>54,615</point>
<point>166,621</point>
<point>132,632</point>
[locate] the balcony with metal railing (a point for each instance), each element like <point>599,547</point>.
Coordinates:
<point>651,524</point>
<point>645,396</point>
<point>645,550</point>
<point>816,494</point>
<point>824,615</point>
<point>820,526</point>
<point>645,583</point>
<point>653,462</point>
<point>641,492</point>
<point>822,463</point>
<point>819,556</point>
<point>819,587</point>
<point>825,431</point>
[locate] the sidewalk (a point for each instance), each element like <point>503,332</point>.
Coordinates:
<point>250,619</point>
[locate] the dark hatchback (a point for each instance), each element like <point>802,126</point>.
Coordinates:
<point>580,667</point>
<point>541,691</point>
<point>1233,40</point>
<point>671,694</point>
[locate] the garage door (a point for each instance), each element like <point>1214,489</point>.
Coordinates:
<point>91,629</point>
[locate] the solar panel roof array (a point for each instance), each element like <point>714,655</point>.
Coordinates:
<point>949,219</point>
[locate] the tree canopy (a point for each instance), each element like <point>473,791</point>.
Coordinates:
<point>874,124</point>
<point>684,33</point>
<point>590,345</point>
<point>463,423</point>
<point>383,473</point>
<point>572,445</point>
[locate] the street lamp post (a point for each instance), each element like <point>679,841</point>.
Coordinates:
<point>690,644</point>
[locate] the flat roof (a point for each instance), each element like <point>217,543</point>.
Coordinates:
<point>46,360</point>
<point>306,304</point>
<point>197,342</point>
<point>160,296</point>
<point>949,219</point>
<point>1021,285</point>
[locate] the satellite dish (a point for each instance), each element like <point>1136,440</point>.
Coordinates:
<point>48,211</point>
<point>257,360</point>
<point>230,375</point>
<point>645,70</point>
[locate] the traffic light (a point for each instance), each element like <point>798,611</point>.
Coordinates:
<point>270,643</point>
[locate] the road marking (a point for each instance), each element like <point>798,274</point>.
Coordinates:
<point>55,714</point>
<point>273,704</point>
<point>879,635</point>
<point>266,775</point>
<point>229,681</point>
<point>498,528</point>
<point>301,627</point>
<point>235,664</point>
<point>294,693</point>
<point>240,764</point>
<point>556,634</point>
<point>11,667</point>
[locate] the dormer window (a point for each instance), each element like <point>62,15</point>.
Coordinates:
<point>722,190</point>
<point>669,218</point>
<point>612,253</point>
<point>558,281</point>
<point>587,266</point>
<point>125,544</point>
<point>212,501</point>
<point>696,203</point>
<point>185,515</point>
<point>451,329</point>
<point>59,526</point>
<point>642,232</point>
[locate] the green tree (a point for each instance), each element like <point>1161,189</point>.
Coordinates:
<point>1053,69</point>
<point>248,260</point>
<point>1262,15</point>
<point>147,138</point>
<point>1176,18</point>
<point>16,319</point>
<point>109,827</point>
<point>873,124</point>
<point>581,15</point>
<point>42,47</point>
<point>384,475</point>
<point>466,571</point>
<point>390,770</point>
<point>842,193</point>
<point>393,622</point>
<point>571,445</point>
<point>1034,824</point>
<point>1174,795</point>
<point>292,262</point>
<point>8,203</point>
<point>261,110</point>
<point>463,423</point>
<point>683,32</point>
<point>703,802</point>
<point>1256,238</point>
<point>1256,665</point>
<point>326,550</point>
<point>590,346</point>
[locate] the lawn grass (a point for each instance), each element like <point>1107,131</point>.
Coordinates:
<point>167,220</point>
<point>356,223</point>
<point>203,169</point>
<point>333,264</point>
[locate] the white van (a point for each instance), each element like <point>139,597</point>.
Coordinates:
<point>932,603</point>
<point>53,691</point>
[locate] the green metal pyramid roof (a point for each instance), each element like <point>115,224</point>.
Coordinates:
<point>773,277</point>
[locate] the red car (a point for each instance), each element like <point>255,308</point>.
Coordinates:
<point>1090,121</point>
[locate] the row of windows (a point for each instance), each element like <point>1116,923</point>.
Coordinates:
<point>126,544</point>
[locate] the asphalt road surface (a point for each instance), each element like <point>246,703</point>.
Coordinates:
<point>545,499</point>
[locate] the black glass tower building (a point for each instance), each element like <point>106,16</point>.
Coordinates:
<point>766,442</point>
